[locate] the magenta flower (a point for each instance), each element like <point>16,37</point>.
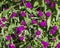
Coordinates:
<point>31,15</point>
<point>2,25</point>
<point>45,44</point>
<point>58,45</point>
<point>55,27</point>
<point>8,37</point>
<point>23,14</point>
<point>23,22</point>
<point>29,46</point>
<point>13,15</point>
<point>11,45</point>
<point>0,22</point>
<point>20,29</point>
<point>12,35</point>
<point>47,1</point>
<point>48,14</point>
<point>3,19</point>
<point>21,38</point>
<point>52,5</point>
<point>28,5</point>
<point>42,23</point>
<point>52,32</point>
<point>38,32</point>
<point>40,13</point>
<point>34,21</point>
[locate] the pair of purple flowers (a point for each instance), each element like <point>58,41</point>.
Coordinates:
<point>53,30</point>
<point>1,22</point>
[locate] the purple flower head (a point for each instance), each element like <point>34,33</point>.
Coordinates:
<point>20,29</point>
<point>2,25</point>
<point>42,23</point>
<point>8,37</point>
<point>23,1</point>
<point>48,14</point>
<point>47,1</point>
<point>38,32</point>
<point>11,45</point>
<point>53,39</point>
<point>55,27</point>
<point>21,38</point>
<point>33,21</point>
<point>0,22</point>
<point>52,32</point>
<point>13,15</point>
<point>3,19</point>
<point>23,14</point>
<point>29,46</point>
<point>45,44</point>
<point>40,13</point>
<point>52,5</point>
<point>12,35</point>
<point>58,45</point>
<point>23,22</point>
<point>28,5</point>
<point>31,15</point>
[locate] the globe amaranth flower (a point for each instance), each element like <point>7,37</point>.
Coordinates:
<point>34,21</point>
<point>20,29</point>
<point>0,22</point>
<point>23,22</point>
<point>52,5</point>
<point>28,5</point>
<point>45,44</point>
<point>14,14</point>
<point>8,37</point>
<point>11,45</point>
<point>21,38</point>
<point>38,32</point>
<point>58,45</point>
<point>55,27</point>
<point>52,32</point>
<point>40,13</point>
<point>29,46</point>
<point>2,25</point>
<point>47,1</point>
<point>23,14</point>
<point>3,19</point>
<point>13,35</point>
<point>42,23</point>
<point>31,15</point>
<point>48,14</point>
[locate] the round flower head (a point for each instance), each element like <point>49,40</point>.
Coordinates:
<point>23,14</point>
<point>2,25</point>
<point>20,29</point>
<point>58,45</point>
<point>3,19</point>
<point>40,13</point>
<point>12,35</point>
<point>28,5</point>
<point>0,22</point>
<point>47,1</point>
<point>48,14</point>
<point>31,15</point>
<point>45,44</point>
<point>33,21</point>
<point>29,46</point>
<point>52,32</point>
<point>23,22</point>
<point>21,38</point>
<point>11,45</point>
<point>13,15</point>
<point>8,37</point>
<point>38,32</point>
<point>42,23</point>
<point>55,27</point>
<point>52,5</point>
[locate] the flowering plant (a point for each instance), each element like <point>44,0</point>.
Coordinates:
<point>29,24</point>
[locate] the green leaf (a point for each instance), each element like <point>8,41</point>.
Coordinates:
<point>28,0</point>
<point>36,3</point>
<point>29,10</point>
